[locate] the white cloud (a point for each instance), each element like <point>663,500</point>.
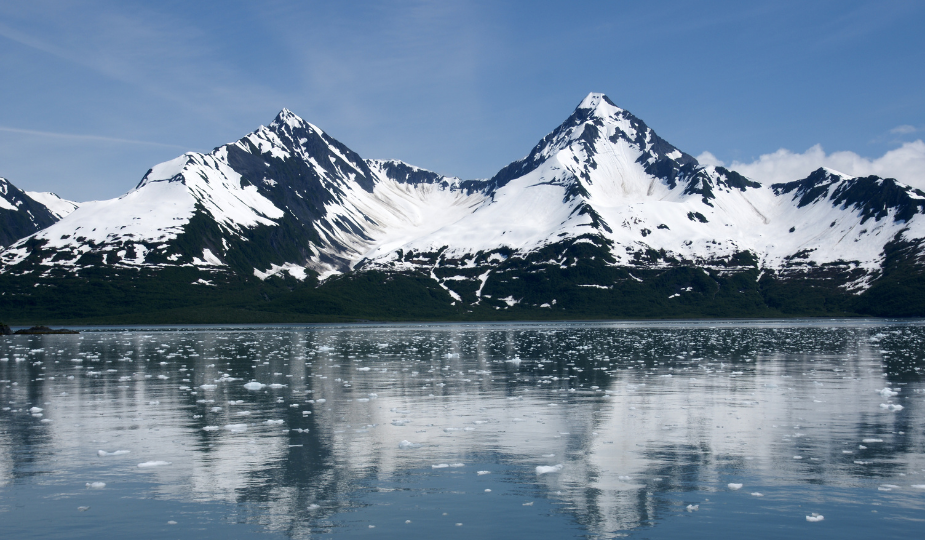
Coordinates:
<point>906,164</point>
<point>905,129</point>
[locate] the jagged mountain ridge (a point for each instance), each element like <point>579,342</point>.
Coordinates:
<point>23,213</point>
<point>288,200</point>
<point>283,198</point>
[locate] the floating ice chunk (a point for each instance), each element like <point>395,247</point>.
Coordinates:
<point>254,385</point>
<point>797,457</point>
<point>757,494</point>
<point>891,406</point>
<point>373,395</point>
<point>363,399</point>
<point>275,386</point>
<point>487,491</point>
<point>208,386</point>
<point>313,507</point>
<point>693,507</point>
<point>872,440</point>
<point>210,428</point>
<point>544,469</point>
<point>887,487</point>
<point>515,361</point>
<point>408,444</point>
<point>236,428</point>
<point>103,453</point>
<point>401,421</point>
<point>624,478</point>
<point>149,464</point>
<point>440,466</point>
<point>859,462</point>
<point>480,473</point>
<point>364,368</point>
<point>734,486</point>
<point>887,392</point>
<point>274,422</point>
<point>83,508</point>
<point>919,486</point>
<point>815,517</point>
<point>216,409</point>
<point>36,410</point>
<point>96,485</point>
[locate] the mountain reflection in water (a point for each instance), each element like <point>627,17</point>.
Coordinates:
<point>610,429</point>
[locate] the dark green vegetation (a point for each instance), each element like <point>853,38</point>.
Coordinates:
<point>570,280</point>
<point>39,330</point>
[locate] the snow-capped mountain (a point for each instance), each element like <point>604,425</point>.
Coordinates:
<point>21,214</point>
<point>606,177</point>
<point>56,205</point>
<point>285,198</point>
<point>602,200</point>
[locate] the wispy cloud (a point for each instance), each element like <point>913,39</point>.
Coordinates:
<point>158,52</point>
<point>906,164</point>
<point>84,137</point>
<point>903,130</point>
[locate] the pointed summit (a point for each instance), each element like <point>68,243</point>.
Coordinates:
<point>288,118</point>
<point>595,100</point>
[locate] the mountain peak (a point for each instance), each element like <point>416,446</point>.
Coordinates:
<point>288,118</point>
<point>595,101</point>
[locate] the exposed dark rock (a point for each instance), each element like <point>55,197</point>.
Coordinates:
<point>45,330</point>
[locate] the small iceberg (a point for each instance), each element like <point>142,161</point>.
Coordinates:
<point>149,464</point>
<point>254,385</point>
<point>547,469</point>
<point>814,517</point>
<point>734,486</point>
<point>103,453</point>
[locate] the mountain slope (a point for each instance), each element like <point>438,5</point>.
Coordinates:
<point>56,205</point>
<point>602,218</point>
<point>20,214</point>
<point>285,198</point>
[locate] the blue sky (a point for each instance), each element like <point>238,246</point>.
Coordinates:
<point>96,92</point>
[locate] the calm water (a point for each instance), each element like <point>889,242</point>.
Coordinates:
<point>466,431</point>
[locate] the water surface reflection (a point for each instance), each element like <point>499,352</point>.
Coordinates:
<point>541,429</point>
